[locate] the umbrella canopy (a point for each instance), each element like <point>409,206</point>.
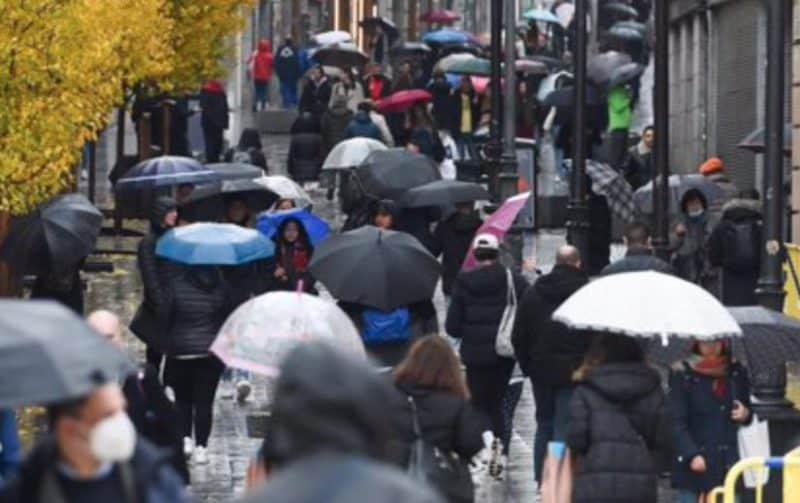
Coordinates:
<point>531,67</point>
<point>554,81</point>
<point>351,153</point>
<point>329,71</point>
<point>625,73</point>
<point>565,97</point>
<point>678,186</point>
<point>387,25</point>
<point>209,202</point>
<point>386,258</point>
<point>235,170</point>
<point>565,12</point>
<point>625,33</point>
<point>388,174</point>
<point>165,171</point>
<point>611,184</point>
<point>448,36</point>
<point>286,188</point>
<point>601,67</point>
<point>263,331</point>
<point>55,237</point>
<point>647,304</point>
<point>48,355</point>
<point>498,223</point>
<point>621,10</point>
<point>316,228</point>
<point>342,55</point>
<point>459,48</point>
<point>214,244</point>
<point>545,16</point>
<point>754,141</point>
<point>443,193</point>
<point>769,340</point>
<point>634,25</point>
<point>410,49</point>
<point>440,16</point>
<point>465,64</point>
<point>403,100</point>
<point>331,37</point>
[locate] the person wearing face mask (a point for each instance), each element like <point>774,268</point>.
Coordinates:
<point>688,238</point>
<point>92,455</point>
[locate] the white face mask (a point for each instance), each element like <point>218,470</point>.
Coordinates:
<point>113,439</point>
<point>696,213</point>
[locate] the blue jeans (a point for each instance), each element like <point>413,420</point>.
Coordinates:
<point>262,93</point>
<point>289,94</point>
<point>466,146</point>
<point>552,419</point>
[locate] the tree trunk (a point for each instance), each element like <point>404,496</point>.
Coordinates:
<point>9,283</point>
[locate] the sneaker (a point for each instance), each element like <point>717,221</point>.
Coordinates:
<point>200,456</point>
<point>497,462</point>
<point>188,446</point>
<point>243,389</point>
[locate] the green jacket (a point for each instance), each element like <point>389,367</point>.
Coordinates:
<point>620,111</point>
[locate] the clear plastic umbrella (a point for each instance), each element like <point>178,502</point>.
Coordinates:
<point>331,37</point>
<point>286,188</point>
<point>261,332</point>
<point>351,153</point>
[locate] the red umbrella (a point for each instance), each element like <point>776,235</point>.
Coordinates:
<point>440,16</point>
<point>403,100</point>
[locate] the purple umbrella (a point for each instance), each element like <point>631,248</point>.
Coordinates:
<point>498,223</point>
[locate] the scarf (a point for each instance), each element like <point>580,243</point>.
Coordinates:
<point>295,257</point>
<point>715,367</point>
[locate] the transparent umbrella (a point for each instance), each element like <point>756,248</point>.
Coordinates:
<point>261,332</point>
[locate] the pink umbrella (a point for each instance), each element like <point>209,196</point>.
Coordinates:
<point>403,100</point>
<point>440,16</point>
<point>498,223</point>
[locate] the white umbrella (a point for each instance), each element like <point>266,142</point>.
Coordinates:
<point>351,153</point>
<point>263,330</point>
<point>647,304</point>
<point>286,188</point>
<point>332,37</point>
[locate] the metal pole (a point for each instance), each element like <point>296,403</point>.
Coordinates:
<point>510,75</point>
<point>661,111</point>
<point>92,182</point>
<point>120,159</point>
<point>494,147</point>
<point>577,210</point>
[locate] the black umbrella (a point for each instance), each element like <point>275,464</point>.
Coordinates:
<point>391,269</point>
<point>388,174</point>
<point>634,25</point>
<point>600,67</point>
<point>625,33</point>
<point>48,354</point>
<point>625,73</point>
<point>678,186</point>
<point>387,25</point>
<point>236,170</point>
<point>620,9</point>
<point>443,193</point>
<point>565,97</point>
<point>410,49</point>
<point>769,340</point>
<point>552,63</point>
<point>754,141</point>
<point>57,236</point>
<point>208,202</point>
<point>342,55</point>
<point>459,48</point>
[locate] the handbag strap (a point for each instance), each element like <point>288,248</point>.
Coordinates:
<point>511,294</point>
<point>414,417</point>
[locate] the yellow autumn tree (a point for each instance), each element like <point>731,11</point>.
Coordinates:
<point>63,66</point>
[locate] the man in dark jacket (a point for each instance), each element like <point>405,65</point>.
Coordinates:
<point>214,103</point>
<point>306,155</point>
<point>735,247</point>
<point>454,237</point>
<point>361,126</point>
<point>547,351</point>
<point>442,107</point>
<point>335,121</point>
<point>93,456</point>
<point>638,164</point>
<point>329,432</point>
<point>149,322</point>
<point>639,256</point>
<point>316,94</point>
<point>287,66</point>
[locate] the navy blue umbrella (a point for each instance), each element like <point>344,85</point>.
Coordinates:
<point>316,228</point>
<point>214,244</point>
<point>166,171</point>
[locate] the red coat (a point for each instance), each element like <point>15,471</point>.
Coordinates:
<point>261,62</point>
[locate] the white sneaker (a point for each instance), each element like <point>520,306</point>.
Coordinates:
<point>243,389</point>
<point>200,456</point>
<point>188,446</point>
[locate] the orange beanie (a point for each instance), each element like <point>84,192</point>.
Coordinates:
<point>711,166</point>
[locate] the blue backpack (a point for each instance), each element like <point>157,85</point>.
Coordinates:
<point>380,327</point>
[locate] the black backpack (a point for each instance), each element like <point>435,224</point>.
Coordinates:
<point>742,242</point>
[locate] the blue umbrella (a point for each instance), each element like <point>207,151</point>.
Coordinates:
<point>214,244</point>
<point>542,15</point>
<point>316,228</point>
<point>166,171</point>
<point>447,36</point>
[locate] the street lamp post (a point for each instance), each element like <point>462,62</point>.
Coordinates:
<point>493,150</point>
<point>508,161</point>
<point>661,111</point>
<point>577,209</point>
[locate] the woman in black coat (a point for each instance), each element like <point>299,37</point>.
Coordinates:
<point>431,376</point>
<point>293,252</point>
<point>710,398</point>
<point>214,119</point>
<point>618,422</point>
<point>306,154</point>
<point>476,307</point>
<point>453,238</point>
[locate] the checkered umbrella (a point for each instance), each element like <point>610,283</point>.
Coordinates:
<point>609,183</point>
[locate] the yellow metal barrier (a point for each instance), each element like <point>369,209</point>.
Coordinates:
<point>789,464</point>
<point>791,303</point>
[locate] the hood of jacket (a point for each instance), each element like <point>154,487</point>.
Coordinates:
<point>264,46</point>
<point>204,277</point>
<point>562,282</point>
<point>737,210</point>
<point>623,382</point>
<point>327,401</point>
<point>162,206</point>
<point>466,223</point>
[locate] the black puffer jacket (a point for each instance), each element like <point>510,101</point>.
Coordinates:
<point>476,307</point>
<point>735,247</point>
<point>638,259</point>
<point>150,321</point>
<point>447,421</point>
<point>306,154</point>
<point>202,302</point>
<point>454,237</point>
<point>618,420</point>
<point>547,351</point>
